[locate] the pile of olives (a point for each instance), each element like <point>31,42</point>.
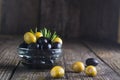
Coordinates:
<point>40,48</point>
<point>90,68</point>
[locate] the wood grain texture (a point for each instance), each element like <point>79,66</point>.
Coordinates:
<point>119,27</point>
<point>109,53</point>
<point>91,19</point>
<point>72,52</point>
<point>8,57</point>
<point>78,52</point>
<point>99,19</point>
<point>108,57</point>
<point>0,13</point>
<point>19,16</point>
<point>62,16</point>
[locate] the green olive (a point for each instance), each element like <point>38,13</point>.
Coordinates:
<point>91,71</point>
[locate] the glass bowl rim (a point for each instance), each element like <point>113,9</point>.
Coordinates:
<point>37,49</point>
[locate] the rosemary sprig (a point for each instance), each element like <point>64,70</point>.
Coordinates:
<point>36,30</point>
<point>45,30</point>
<point>47,33</point>
<point>31,31</point>
<point>53,36</point>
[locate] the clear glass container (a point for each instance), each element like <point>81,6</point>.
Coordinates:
<point>35,58</point>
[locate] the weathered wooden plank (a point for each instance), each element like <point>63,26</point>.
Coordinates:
<point>8,57</point>
<point>78,52</point>
<point>119,27</point>
<point>19,16</point>
<point>99,19</point>
<point>109,53</point>
<point>72,52</point>
<point>89,17</point>
<point>83,18</point>
<point>24,73</point>
<point>60,16</point>
<point>0,13</point>
<point>109,19</point>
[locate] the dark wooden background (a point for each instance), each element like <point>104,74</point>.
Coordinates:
<point>91,19</point>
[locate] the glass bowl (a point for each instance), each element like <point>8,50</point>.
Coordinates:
<point>35,58</point>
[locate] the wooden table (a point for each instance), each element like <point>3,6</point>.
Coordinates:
<point>108,56</point>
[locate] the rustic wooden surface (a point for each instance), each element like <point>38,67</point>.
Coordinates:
<point>0,13</point>
<point>81,18</point>
<point>108,56</point>
<point>111,59</point>
<point>119,27</point>
<point>99,19</point>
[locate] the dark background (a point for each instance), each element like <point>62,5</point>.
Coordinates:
<point>72,19</point>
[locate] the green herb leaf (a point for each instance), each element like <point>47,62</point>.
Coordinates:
<point>54,36</point>
<point>31,31</point>
<point>35,29</point>
<point>47,33</point>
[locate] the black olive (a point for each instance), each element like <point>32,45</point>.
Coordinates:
<point>47,46</point>
<point>91,61</point>
<point>49,40</point>
<point>23,45</point>
<point>42,40</point>
<point>33,46</point>
<point>56,45</point>
<point>40,46</point>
